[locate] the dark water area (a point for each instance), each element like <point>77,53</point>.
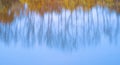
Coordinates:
<point>66,38</point>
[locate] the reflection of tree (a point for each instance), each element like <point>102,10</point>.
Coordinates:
<point>43,6</point>
<point>9,8</point>
<point>69,31</point>
<point>78,28</point>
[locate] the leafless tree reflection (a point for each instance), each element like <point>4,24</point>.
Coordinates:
<point>64,30</point>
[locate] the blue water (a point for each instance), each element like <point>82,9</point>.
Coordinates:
<point>68,38</point>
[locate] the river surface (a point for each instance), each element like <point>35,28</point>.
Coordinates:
<point>66,38</point>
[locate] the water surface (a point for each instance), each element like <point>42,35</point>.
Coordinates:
<point>67,38</point>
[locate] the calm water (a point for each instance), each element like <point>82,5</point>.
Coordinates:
<point>68,38</point>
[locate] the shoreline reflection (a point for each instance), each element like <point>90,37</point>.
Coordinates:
<point>65,30</point>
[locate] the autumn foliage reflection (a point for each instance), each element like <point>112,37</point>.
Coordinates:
<point>9,8</point>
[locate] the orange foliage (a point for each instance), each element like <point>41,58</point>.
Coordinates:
<point>8,8</point>
<point>43,6</point>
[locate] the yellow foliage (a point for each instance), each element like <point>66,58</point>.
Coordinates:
<point>43,6</point>
<point>47,5</point>
<point>7,11</point>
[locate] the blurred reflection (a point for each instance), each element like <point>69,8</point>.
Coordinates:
<point>67,30</point>
<point>9,9</point>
